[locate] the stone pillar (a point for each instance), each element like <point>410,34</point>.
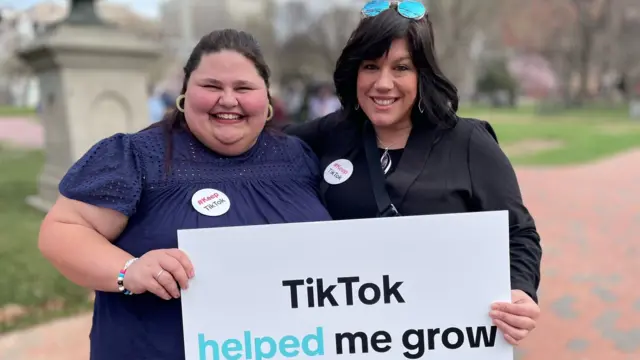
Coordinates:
<point>93,84</point>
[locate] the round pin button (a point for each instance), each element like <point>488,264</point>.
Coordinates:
<point>211,202</point>
<point>338,172</point>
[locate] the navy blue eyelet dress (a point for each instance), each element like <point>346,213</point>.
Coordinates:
<point>276,181</point>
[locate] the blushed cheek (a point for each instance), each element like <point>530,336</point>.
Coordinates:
<point>254,104</point>
<point>202,101</point>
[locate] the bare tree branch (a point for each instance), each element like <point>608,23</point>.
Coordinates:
<point>457,23</point>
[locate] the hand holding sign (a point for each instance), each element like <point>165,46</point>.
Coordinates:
<point>518,319</point>
<point>160,272</point>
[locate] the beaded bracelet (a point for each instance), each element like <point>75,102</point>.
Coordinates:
<point>121,277</point>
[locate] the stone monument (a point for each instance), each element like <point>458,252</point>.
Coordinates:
<point>83,12</point>
<point>93,84</point>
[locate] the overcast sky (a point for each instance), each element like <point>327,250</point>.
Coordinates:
<point>145,7</point>
<point>151,7</point>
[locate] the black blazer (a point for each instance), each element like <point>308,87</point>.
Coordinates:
<point>456,170</point>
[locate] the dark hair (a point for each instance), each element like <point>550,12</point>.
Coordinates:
<point>216,41</point>
<point>372,39</point>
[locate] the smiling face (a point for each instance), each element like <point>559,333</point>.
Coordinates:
<point>226,102</point>
<point>388,86</point>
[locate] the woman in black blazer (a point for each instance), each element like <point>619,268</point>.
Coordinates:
<point>399,119</point>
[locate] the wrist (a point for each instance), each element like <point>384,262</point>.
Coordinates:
<point>121,275</point>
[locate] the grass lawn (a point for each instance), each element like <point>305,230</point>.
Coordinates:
<point>41,293</point>
<point>32,290</point>
<point>16,111</point>
<point>579,136</point>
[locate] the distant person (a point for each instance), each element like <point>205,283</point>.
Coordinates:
<point>324,102</point>
<point>280,116</point>
<point>156,106</point>
<point>293,98</point>
<point>412,154</point>
<point>114,227</point>
<point>168,99</point>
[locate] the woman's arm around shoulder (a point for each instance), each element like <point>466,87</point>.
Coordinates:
<point>306,160</point>
<point>495,187</point>
<point>315,132</point>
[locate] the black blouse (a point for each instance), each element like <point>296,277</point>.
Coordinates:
<point>457,170</point>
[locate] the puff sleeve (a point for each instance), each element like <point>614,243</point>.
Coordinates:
<point>107,176</point>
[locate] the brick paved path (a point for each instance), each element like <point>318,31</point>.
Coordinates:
<point>589,218</point>
<point>65,339</point>
<point>21,132</point>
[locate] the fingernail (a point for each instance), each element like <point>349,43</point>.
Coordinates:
<point>192,274</point>
<point>493,313</point>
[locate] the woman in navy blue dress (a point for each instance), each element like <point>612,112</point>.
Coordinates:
<point>209,163</point>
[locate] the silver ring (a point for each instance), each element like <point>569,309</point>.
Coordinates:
<point>159,273</point>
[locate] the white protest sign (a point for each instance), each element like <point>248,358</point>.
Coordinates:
<point>391,288</point>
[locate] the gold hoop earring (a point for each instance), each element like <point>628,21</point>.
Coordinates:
<point>270,112</point>
<point>178,99</point>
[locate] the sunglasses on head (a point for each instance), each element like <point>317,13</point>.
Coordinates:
<point>410,9</point>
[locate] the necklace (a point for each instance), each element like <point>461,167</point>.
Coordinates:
<point>385,159</point>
